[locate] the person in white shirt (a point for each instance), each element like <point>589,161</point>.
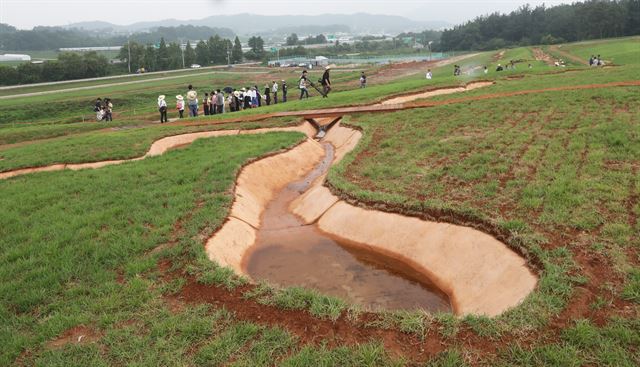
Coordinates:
<point>162,107</point>
<point>429,75</point>
<point>274,90</point>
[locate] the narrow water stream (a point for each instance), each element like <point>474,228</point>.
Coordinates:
<point>289,253</point>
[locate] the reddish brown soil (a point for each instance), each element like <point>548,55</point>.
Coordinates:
<point>570,56</point>
<point>76,335</point>
<point>542,56</point>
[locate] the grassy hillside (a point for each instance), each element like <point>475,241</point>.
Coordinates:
<point>107,267</point>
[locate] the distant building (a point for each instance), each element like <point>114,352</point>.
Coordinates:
<point>321,61</point>
<point>300,61</point>
<point>85,49</point>
<point>15,57</point>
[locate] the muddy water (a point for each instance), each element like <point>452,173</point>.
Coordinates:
<point>289,253</point>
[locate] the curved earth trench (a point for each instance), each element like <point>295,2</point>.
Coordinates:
<point>478,273</point>
<point>159,147</point>
<point>289,252</point>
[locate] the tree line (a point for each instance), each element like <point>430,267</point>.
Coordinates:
<point>170,56</point>
<point>68,66</point>
<point>53,38</point>
<point>541,25</point>
<point>293,40</point>
<point>148,57</point>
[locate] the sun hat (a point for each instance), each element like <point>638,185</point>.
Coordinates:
<point>179,97</point>
<point>327,67</point>
<point>160,97</point>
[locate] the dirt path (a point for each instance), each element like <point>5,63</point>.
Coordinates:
<point>540,55</point>
<point>159,147</point>
<point>568,55</point>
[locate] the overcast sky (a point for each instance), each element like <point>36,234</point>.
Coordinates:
<point>26,14</point>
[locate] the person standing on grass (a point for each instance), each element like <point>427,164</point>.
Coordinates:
<point>180,105</point>
<point>237,101</point>
<point>429,75</point>
<point>267,95</point>
<point>247,98</point>
<point>326,82</point>
<point>257,96</point>
<point>219,105</point>
<point>363,80</point>
<point>212,103</point>
<point>98,105</point>
<point>303,85</point>
<point>108,109</point>
<point>205,104</point>
<point>284,91</point>
<point>486,70</point>
<point>274,89</point>
<point>162,107</point>
<point>232,101</point>
<point>192,101</point>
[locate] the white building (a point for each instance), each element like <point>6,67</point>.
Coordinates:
<point>321,61</point>
<point>15,57</point>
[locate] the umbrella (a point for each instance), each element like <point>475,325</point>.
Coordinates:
<point>228,89</point>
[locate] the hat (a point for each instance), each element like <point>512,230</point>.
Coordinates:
<point>179,97</point>
<point>327,67</point>
<point>243,89</point>
<point>236,93</point>
<point>161,97</point>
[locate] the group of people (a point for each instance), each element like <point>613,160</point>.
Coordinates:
<point>325,81</point>
<point>218,102</point>
<point>595,61</point>
<point>103,109</point>
<point>214,103</point>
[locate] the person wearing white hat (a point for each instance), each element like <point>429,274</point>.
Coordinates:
<point>326,82</point>
<point>192,101</point>
<point>162,107</point>
<point>302,84</point>
<point>180,105</point>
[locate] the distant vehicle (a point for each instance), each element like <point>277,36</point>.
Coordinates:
<point>285,65</point>
<point>195,66</point>
<point>302,65</point>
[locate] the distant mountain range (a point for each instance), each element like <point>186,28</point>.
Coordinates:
<point>248,24</point>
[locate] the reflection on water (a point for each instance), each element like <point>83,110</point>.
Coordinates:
<point>289,253</point>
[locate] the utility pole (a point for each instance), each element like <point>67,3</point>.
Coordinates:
<point>129,58</point>
<point>228,57</point>
<point>182,50</point>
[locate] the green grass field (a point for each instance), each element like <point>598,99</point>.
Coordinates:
<point>622,52</point>
<point>107,267</point>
